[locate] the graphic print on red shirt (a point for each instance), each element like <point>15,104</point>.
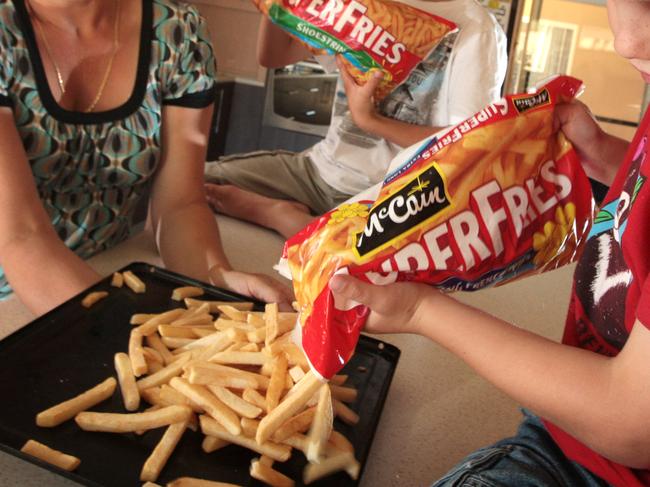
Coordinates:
<point>611,288</point>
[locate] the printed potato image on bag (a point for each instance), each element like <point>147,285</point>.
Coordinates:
<point>369,34</point>
<point>489,200</point>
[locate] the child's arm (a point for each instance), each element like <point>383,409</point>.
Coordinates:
<point>604,402</point>
<point>365,114</point>
<point>276,48</point>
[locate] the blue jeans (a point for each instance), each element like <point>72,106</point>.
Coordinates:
<point>529,459</point>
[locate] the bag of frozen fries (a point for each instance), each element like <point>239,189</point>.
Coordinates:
<point>369,34</point>
<point>493,198</point>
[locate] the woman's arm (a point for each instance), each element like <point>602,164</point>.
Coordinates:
<point>185,229</point>
<point>42,271</point>
<point>276,48</point>
<point>604,402</point>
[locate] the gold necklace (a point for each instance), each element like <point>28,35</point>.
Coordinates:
<point>59,77</point>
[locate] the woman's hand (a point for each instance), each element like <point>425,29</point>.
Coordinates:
<point>360,97</point>
<point>395,308</point>
<point>257,286</point>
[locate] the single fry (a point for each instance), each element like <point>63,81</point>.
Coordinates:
<point>201,332</point>
<point>170,396</point>
<point>296,373</point>
<point>240,358</point>
<point>271,320</point>
<point>138,362</point>
<point>154,366</point>
<point>180,293</point>
<point>254,397</point>
<point>92,298</point>
<point>257,336</point>
<point>342,461</point>
<point>176,343</point>
<point>321,428</point>
<point>152,396</point>
<point>344,413</point>
<point>212,443</point>
<point>250,347</point>
<point>193,320</point>
<point>117,280</point>
<point>151,325</point>
<point>298,424</point>
<point>345,394</point>
<point>140,318</point>
<point>51,456</point>
<point>164,375</point>
<point>277,382</point>
<point>194,482</point>
<point>158,458</point>
<point>231,312</point>
<point>296,356</point>
<point>217,339</point>
<point>223,324</point>
<point>278,452</point>
<point>305,389</point>
<point>126,423</point>
<point>209,402</point>
<point>66,410</point>
<point>152,355</point>
<point>176,331</point>
<point>214,305</point>
<point>249,427</point>
<point>234,402</point>
<point>126,379</point>
<point>266,474</point>
<point>133,282</point>
<point>203,373</point>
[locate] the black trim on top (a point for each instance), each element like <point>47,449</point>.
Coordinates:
<point>5,101</point>
<point>200,99</point>
<point>69,116</point>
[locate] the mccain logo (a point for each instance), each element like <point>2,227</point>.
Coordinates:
<point>422,198</point>
<point>528,102</point>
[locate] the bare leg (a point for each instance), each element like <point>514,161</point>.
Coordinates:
<point>283,216</point>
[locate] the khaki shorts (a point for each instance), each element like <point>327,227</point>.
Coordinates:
<point>276,174</point>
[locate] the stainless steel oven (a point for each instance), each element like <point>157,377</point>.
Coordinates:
<point>300,97</point>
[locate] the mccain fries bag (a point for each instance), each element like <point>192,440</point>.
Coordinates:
<point>495,197</point>
<point>369,34</point>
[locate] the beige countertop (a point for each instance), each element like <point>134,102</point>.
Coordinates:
<point>437,409</point>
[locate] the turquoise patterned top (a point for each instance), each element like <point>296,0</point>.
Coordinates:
<point>92,168</point>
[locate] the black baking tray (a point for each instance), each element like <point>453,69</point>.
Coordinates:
<point>71,349</point>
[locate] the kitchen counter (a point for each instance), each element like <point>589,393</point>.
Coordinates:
<point>437,409</point>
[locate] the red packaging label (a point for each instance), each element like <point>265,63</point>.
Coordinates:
<point>491,199</point>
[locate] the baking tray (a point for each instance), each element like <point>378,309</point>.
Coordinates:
<point>71,349</point>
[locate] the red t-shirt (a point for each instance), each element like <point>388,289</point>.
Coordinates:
<point>611,288</point>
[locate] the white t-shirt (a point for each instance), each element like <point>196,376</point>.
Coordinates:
<point>460,77</point>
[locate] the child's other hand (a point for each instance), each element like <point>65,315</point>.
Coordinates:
<point>394,307</point>
<point>360,97</point>
<point>580,127</point>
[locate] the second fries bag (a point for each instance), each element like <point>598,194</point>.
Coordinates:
<point>495,197</point>
<point>369,34</point>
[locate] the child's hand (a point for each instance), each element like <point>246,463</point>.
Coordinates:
<point>394,307</point>
<point>580,127</point>
<point>360,97</point>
